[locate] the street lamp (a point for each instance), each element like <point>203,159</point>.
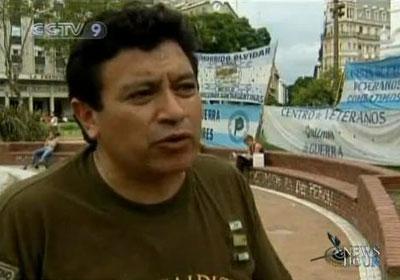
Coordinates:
<point>338,12</point>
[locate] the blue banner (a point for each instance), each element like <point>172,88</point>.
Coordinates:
<point>225,126</point>
<point>372,85</point>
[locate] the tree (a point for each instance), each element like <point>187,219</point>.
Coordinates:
<point>12,32</point>
<point>301,82</point>
<point>307,91</point>
<point>10,12</point>
<point>76,12</point>
<point>219,33</point>
<point>316,94</point>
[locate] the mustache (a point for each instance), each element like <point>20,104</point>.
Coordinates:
<point>173,133</point>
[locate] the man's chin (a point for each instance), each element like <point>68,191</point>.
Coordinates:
<point>174,164</point>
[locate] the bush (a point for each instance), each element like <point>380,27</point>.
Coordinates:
<point>69,126</point>
<point>18,124</point>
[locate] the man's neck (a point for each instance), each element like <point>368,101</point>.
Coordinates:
<point>138,188</point>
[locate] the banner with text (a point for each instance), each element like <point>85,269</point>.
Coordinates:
<point>371,136</point>
<point>236,77</point>
<point>372,85</point>
<point>225,126</point>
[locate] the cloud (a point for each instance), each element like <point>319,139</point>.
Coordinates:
<point>295,24</point>
<point>297,60</point>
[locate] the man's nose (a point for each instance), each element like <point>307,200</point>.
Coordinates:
<point>171,110</point>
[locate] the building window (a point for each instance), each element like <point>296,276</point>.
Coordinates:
<point>60,62</point>
<point>349,45</point>
<point>384,16</point>
<point>350,12</point>
<point>40,61</point>
<point>39,69</point>
<point>17,66</point>
<point>368,14</point>
<point>360,30</point>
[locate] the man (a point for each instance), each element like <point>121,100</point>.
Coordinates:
<point>53,123</point>
<point>139,203</point>
<point>42,155</point>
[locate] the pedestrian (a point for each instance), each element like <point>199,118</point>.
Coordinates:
<point>53,123</point>
<point>140,202</point>
<point>44,154</point>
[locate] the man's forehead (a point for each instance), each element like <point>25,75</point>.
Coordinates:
<point>167,55</point>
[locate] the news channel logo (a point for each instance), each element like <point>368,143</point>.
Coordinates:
<point>351,256</point>
<point>69,30</point>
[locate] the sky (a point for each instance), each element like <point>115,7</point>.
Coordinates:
<point>296,25</point>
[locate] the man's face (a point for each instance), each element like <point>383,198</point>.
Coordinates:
<point>151,117</point>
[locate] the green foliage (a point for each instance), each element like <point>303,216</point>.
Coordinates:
<point>69,126</point>
<point>271,100</point>
<point>17,124</point>
<point>77,12</point>
<point>225,33</point>
<point>320,92</point>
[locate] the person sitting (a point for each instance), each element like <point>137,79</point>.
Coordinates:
<point>42,155</point>
<point>53,123</point>
<point>245,161</point>
<point>253,146</point>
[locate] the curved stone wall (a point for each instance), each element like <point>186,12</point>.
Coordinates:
<point>355,191</point>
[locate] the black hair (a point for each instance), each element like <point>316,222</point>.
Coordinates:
<point>248,138</point>
<point>137,26</point>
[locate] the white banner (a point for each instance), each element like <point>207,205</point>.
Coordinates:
<point>236,77</point>
<point>369,136</point>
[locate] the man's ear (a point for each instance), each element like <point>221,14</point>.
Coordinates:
<point>87,118</point>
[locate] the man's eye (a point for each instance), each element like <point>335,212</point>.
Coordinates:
<point>187,88</point>
<point>141,96</point>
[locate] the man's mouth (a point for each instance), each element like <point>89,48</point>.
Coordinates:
<point>175,140</point>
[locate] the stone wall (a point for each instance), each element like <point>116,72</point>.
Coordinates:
<point>353,190</point>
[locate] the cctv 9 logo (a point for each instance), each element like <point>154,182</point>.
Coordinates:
<point>69,30</point>
<point>238,126</point>
<point>94,30</point>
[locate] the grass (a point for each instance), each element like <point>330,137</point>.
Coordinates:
<point>70,130</point>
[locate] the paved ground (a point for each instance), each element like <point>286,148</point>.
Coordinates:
<point>298,233</point>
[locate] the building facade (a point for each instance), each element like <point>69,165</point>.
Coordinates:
<point>205,7</point>
<point>42,72</point>
<point>391,42</point>
<point>360,30</point>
